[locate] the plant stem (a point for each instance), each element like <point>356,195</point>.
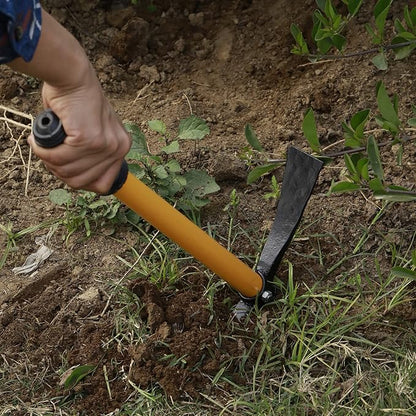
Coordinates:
<point>361,53</point>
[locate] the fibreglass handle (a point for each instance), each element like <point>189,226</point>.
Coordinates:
<point>159,213</point>
<point>49,132</point>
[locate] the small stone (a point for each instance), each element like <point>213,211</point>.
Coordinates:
<point>149,73</point>
<point>196,19</point>
<point>180,45</point>
<point>90,294</point>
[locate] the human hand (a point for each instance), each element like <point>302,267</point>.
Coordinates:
<point>91,155</point>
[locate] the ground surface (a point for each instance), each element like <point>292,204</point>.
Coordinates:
<point>230,64</point>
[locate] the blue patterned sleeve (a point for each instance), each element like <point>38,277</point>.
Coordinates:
<point>20,26</point>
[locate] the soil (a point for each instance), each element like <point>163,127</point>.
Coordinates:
<point>230,64</point>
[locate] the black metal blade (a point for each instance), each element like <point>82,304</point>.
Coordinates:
<point>299,178</point>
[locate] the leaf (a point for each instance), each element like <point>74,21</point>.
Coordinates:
<point>380,61</point>
<point>321,4</point>
<point>137,170</point>
<point>381,10</point>
<point>404,51</point>
<point>410,18</point>
<point>386,106</point>
<point>76,375</point>
<point>329,10</point>
<point>139,144</point>
<point>259,171</point>
<point>395,196</point>
<point>60,196</point>
<point>344,186</point>
<point>398,25</point>
<point>349,163</point>
<point>160,172</point>
<point>370,31</point>
<point>301,47</point>
<point>339,41</point>
<point>171,148</point>
<point>97,204</point>
<point>374,157</point>
<point>354,131</point>
<point>157,126</point>
<point>359,120</point>
<point>193,128</point>
<point>399,155</point>
<point>324,45</point>
<point>173,166</point>
<point>354,6</point>
<point>404,272</point>
<point>252,138</point>
<point>376,185</point>
<point>310,132</point>
<point>362,168</point>
<point>200,183</point>
<point>412,122</point>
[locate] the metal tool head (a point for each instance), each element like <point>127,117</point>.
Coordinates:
<point>300,175</point>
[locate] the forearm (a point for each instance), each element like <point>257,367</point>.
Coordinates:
<point>96,141</point>
<point>59,59</point>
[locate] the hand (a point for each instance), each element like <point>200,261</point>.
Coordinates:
<point>96,142</point>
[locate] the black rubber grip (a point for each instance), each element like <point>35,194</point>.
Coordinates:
<point>49,132</point>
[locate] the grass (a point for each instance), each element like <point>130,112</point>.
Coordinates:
<point>342,346</point>
<point>322,350</point>
<point>315,351</point>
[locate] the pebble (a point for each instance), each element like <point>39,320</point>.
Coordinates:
<point>196,19</point>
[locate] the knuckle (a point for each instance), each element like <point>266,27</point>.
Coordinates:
<point>62,172</point>
<point>54,159</point>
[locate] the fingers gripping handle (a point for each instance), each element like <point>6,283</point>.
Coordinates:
<point>49,132</point>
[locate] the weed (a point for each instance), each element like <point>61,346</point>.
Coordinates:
<point>329,25</point>
<point>364,166</point>
<point>86,209</point>
<point>75,374</point>
<point>163,173</point>
<point>232,208</point>
<point>274,191</point>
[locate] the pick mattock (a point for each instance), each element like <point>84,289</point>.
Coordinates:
<point>300,175</point>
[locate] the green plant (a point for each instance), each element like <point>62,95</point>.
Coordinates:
<point>364,166</point>
<point>363,162</point>
<point>329,24</point>
<point>377,34</point>
<point>75,374</point>
<point>406,33</point>
<point>232,208</point>
<point>274,191</point>
<point>261,167</point>
<point>12,237</point>
<point>83,209</point>
<point>162,172</point>
<point>408,271</point>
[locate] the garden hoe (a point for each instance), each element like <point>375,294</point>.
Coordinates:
<point>254,286</point>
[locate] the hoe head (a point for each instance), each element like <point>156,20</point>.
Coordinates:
<point>299,178</point>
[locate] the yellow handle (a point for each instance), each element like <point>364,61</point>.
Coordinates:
<point>176,226</point>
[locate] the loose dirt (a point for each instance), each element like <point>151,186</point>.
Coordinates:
<point>230,64</point>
